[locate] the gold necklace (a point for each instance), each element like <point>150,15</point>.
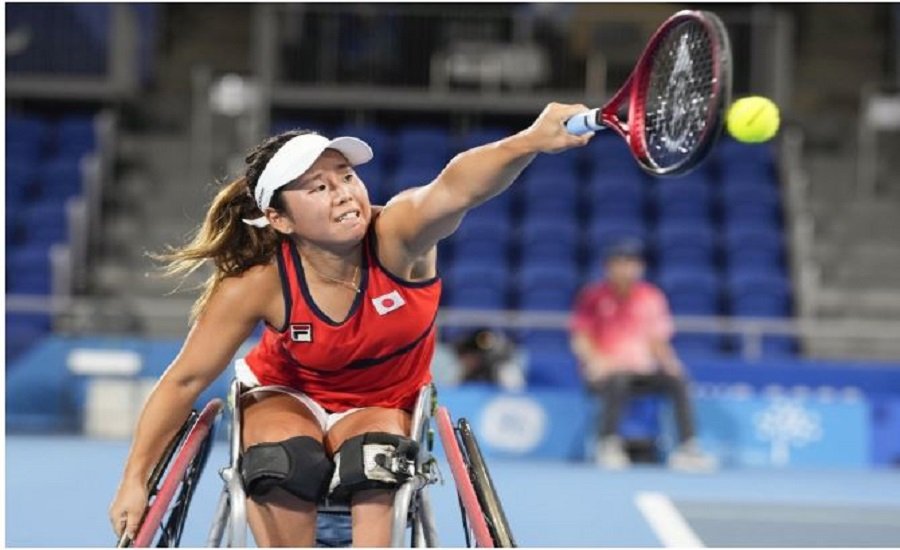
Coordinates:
<point>352,286</point>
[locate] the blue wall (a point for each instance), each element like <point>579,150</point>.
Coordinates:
<point>842,413</point>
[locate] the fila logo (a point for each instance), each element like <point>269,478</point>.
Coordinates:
<point>301,332</point>
<point>388,302</point>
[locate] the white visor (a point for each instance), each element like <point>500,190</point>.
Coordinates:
<point>295,157</point>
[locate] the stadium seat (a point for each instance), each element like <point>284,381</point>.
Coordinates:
<point>548,241</point>
<point>743,201</point>
<point>546,287</point>
<point>691,292</point>
<point>550,362</point>
<point>406,176</point>
<point>482,238</point>
<point>480,137</point>
<point>60,178</point>
<point>550,193</point>
<point>372,176</point>
<point>45,223</point>
<point>28,270</point>
<point>683,200</point>
<point>732,153</point>
<point>423,145</point>
<point>615,196</point>
<point>21,178</point>
<point>75,136</point>
<point>477,285</point>
<point>604,232</point>
<point>26,137</point>
<point>685,244</point>
<point>759,295</point>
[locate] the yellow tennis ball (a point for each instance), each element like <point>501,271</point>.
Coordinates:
<point>753,119</point>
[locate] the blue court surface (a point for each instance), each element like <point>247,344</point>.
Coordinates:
<point>58,490</point>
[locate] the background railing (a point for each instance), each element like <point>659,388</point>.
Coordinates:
<point>79,316</point>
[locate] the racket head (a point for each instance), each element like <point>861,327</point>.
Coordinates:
<point>678,94</point>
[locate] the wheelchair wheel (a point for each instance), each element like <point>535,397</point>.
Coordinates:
<point>182,463</point>
<point>484,488</point>
<point>477,496</point>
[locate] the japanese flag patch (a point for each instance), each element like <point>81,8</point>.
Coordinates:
<point>387,303</point>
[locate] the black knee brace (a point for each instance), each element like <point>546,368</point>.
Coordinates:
<point>374,460</point>
<point>298,465</point>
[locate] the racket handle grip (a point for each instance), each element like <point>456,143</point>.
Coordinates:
<point>583,123</point>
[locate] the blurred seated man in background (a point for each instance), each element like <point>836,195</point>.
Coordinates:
<point>620,332</point>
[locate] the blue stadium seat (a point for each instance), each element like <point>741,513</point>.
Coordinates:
<point>561,162</point>
<point>695,344</point>
<point>550,362</point>
<point>622,196</point>
<point>25,137</point>
<point>749,249</point>
<point>482,239</point>
<point>731,153</point>
<point>749,173</point>
<point>483,136</point>
<point>548,240</point>
<point>689,243</point>
<point>21,178</point>
<point>60,178</point>
<point>75,136</point>
<point>691,292</point>
<point>546,287</point>
<point>606,231</point>
<point>477,285</point>
<point>550,192</point>
<point>28,270</point>
<point>406,176</point>
<point>45,223</point>
<point>23,330</point>
<point>759,295</point>
<point>372,175</point>
<point>683,200</point>
<point>423,144</point>
<point>608,151</point>
<point>743,201</point>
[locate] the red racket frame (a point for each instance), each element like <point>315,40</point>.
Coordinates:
<point>635,89</point>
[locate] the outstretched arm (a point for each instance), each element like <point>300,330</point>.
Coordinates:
<point>418,218</point>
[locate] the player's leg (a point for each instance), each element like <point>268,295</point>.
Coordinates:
<point>371,509</point>
<point>279,430</point>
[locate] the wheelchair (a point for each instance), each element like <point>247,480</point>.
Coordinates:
<point>173,481</point>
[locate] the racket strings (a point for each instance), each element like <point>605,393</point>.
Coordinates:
<point>681,93</point>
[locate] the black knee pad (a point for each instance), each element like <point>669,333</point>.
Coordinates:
<point>298,465</point>
<point>374,460</point>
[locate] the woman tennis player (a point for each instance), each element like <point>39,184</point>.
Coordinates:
<point>349,294</point>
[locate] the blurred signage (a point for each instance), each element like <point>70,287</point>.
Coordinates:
<point>741,430</point>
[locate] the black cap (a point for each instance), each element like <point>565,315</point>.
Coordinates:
<point>625,248</point>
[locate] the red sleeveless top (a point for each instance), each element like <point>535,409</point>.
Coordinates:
<point>378,357</point>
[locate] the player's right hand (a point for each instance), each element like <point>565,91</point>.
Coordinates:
<point>548,133</point>
<point>127,507</point>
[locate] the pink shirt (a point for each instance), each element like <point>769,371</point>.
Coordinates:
<point>622,328</point>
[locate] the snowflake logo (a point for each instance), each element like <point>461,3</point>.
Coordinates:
<point>785,424</point>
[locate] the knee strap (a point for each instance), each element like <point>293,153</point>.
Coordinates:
<point>298,465</point>
<point>374,460</point>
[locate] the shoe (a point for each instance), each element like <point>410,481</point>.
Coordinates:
<point>611,453</point>
<point>689,458</point>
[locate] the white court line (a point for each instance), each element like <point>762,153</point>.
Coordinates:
<point>665,520</point>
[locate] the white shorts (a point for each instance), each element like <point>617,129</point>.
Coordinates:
<point>326,420</point>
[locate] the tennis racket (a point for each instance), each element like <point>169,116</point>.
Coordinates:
<point>675,97</point>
